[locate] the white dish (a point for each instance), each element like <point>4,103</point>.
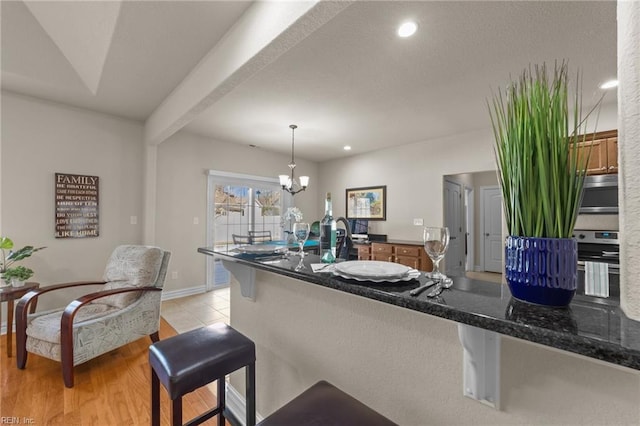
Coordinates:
<point>372,269</point>
<point>411,275</point>
<point>261,249</point>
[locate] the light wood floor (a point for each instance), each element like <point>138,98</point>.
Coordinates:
<point>113,389</point>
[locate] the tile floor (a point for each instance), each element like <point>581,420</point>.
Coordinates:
<point>191,312</point>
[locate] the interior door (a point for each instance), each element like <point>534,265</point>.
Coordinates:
<point>492,228</point>
<point>454,220</point>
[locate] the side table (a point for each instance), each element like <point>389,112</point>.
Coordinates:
<point>9,294</point>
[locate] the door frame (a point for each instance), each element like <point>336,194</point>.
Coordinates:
<point>483,190</point>
<point>470,228</point>
<point>461,219</point>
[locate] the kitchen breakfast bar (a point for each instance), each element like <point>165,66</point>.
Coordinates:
<point>473,355</point>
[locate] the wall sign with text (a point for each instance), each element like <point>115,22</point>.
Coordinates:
<point>76,206</point>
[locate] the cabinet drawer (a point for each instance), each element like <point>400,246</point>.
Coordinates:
<point>382,257</point>
<point>410,261</point>
<point>364,253</point>
<point>408,251</point>
<point>377,248</point>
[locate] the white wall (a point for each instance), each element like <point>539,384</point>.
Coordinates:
<point>40,138</point>
<point>183,161</point>
<point>413,175</point>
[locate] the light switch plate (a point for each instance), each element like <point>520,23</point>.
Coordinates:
<point>134,220</point>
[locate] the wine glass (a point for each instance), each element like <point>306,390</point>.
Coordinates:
<point>436,241</point>
<point>301,233</point>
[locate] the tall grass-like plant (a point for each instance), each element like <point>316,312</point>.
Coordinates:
<point>540,173</point>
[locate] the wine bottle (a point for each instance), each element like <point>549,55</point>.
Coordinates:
<point>328,233</point>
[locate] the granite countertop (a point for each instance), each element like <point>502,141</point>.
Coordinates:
<point>594,330</point>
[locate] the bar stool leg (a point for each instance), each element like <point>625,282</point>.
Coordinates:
<point>176,411</point>
<point>251,394</point>
<point>155,399</point>
<point>221,401</point>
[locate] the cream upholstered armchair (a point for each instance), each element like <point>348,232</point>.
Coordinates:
<point>125,309</point>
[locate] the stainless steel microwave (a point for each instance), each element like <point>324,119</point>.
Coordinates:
<point>600,195</point>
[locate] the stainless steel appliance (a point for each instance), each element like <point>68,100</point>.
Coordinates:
<point>602,247</point>
<point>600,195</point>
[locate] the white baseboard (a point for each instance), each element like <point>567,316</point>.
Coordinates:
<point>175,294</point>
<point>478,268</point>
<point>236,403</point>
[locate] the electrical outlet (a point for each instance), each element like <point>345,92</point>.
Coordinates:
<point>418,221</point>
<point>196,221</point>
<point>134,220</point>
<point>174,275</point>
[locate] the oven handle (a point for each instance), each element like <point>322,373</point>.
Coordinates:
<point>613,268</point>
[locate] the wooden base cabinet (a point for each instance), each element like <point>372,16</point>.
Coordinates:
<point>411,255</point>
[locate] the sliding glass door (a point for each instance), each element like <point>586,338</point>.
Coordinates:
<point>237,204</point>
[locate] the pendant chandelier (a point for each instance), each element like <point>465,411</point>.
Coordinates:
<point>289,183</point>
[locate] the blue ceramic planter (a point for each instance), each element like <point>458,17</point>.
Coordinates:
<point>542,270</point>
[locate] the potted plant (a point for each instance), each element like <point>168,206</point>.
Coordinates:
<point>17,275</point>
<point>10,256</point>
<point>541,178</point>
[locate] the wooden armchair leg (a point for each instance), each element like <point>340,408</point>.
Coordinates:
<point>67,372</point>
<point>21,337</point>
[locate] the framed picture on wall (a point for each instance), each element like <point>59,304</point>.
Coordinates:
<point>367,203</point>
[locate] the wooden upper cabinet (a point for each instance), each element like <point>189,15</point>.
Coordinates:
<point>604,152</point>
<point>612,154</point>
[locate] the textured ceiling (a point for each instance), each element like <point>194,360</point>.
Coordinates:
<point>350,82</point>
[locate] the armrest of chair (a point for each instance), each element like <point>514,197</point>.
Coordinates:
<point>66,323</point>
<point>22,308</point>
<point>32,296</point>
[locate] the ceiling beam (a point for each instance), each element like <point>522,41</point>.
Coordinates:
<point>262,34</point>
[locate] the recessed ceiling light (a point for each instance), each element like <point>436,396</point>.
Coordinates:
<point>609,84</point>
<point>407,29</point>
<point>347,148</point>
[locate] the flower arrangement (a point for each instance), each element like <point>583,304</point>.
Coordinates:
<point>293,213</point>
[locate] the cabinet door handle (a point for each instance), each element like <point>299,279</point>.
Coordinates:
<point>611,167</point>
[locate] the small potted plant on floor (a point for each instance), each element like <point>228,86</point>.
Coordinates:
<point>541,178</point>
<point>10,256</point>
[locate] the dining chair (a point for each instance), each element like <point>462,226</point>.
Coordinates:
<point>241,239</point>
<point>260,236</point>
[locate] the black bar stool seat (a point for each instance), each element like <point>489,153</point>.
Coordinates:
<point>324,404</point>
<point>188,361</point>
